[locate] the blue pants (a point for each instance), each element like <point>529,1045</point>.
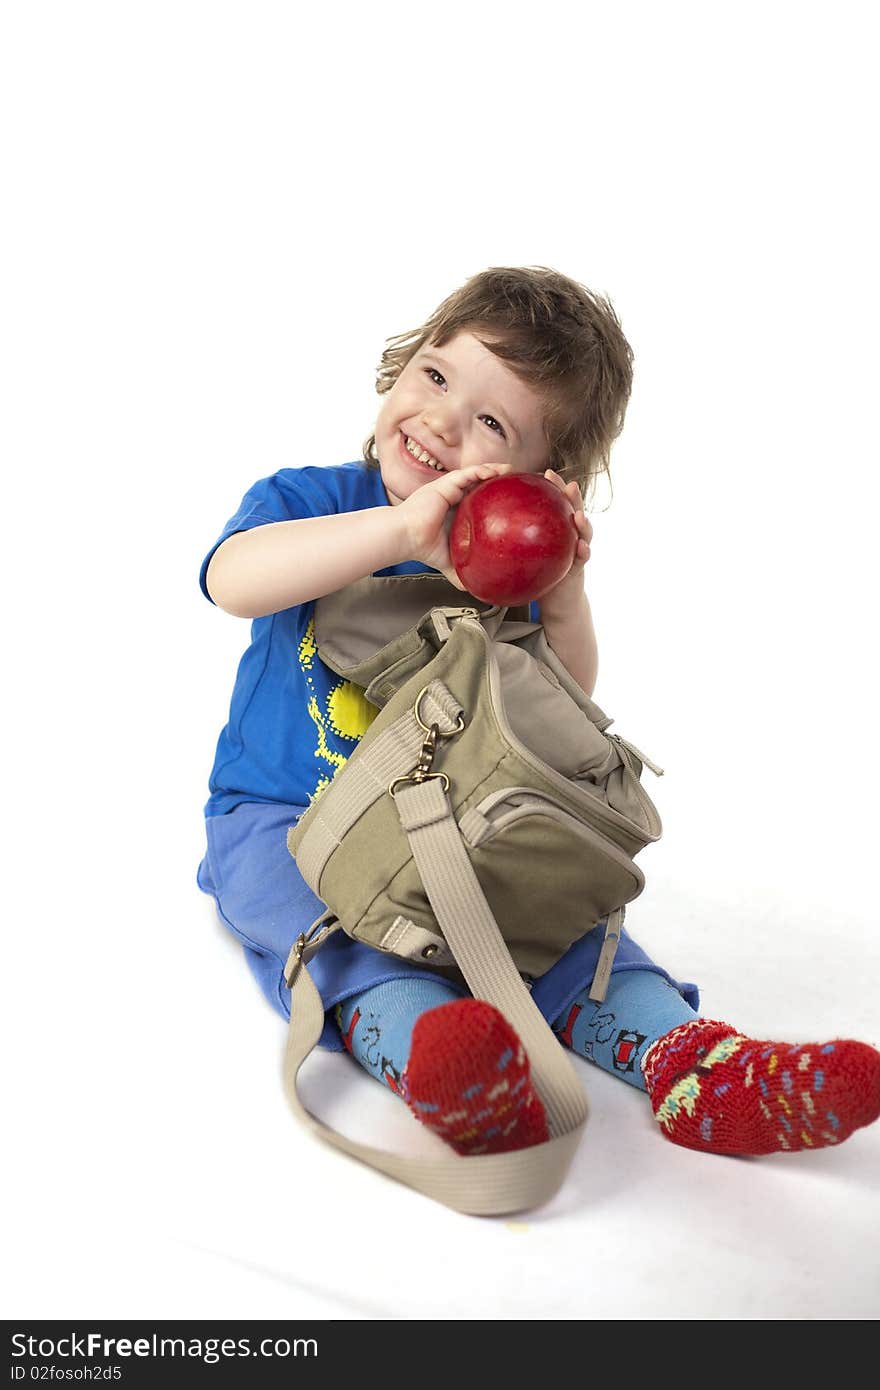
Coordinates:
<point>262,898</point>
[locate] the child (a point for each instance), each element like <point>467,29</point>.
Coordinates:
<point>519,370</point>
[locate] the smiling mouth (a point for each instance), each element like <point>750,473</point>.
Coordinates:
<point>434,467</point>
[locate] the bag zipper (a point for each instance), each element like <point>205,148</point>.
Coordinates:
<point>643,757</point>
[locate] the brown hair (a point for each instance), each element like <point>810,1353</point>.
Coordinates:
<point>561,339</point>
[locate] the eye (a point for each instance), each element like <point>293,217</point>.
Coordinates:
<point>432,372</point>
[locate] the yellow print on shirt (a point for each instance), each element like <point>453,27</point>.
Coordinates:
<point>346,713</point>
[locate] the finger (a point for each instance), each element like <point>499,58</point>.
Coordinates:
<point>479,470</point>
<point>460,479</point>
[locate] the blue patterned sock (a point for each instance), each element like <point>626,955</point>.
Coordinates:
<point>640,1007</point>
<point>376,1026</point>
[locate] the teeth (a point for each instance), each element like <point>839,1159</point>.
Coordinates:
<point>423,456</point>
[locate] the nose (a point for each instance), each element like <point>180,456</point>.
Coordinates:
<point>439,422</point>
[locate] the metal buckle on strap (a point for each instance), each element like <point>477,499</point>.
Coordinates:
<point>294,960</point>
<point>459,723</point>
<point>422,770</point>
<point>314,934</point>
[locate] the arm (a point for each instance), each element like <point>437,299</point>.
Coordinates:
<point>565,610</point>
<point>573,639</point>
<point>283,563</point>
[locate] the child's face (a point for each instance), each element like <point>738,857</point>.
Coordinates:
<point>463,406</point>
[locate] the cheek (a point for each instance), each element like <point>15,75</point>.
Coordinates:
<point>386,422</point>
<point>395,405</point>
<point>532,462</point>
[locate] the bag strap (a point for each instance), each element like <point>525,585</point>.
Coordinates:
<point>466,919</point>
<point>481,1184</point>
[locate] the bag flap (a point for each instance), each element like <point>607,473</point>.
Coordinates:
<point>355,624</point>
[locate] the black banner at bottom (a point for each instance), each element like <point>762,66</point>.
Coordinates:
<point>137,1352</point>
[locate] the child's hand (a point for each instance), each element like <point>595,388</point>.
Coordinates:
<point>428,513</point>
<point>571,587</point>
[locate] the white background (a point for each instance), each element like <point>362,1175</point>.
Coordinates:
<point>215,216</point>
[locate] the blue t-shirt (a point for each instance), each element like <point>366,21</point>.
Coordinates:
<point>292,721</point>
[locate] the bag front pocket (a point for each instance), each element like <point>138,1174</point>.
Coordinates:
<point>575,876</point>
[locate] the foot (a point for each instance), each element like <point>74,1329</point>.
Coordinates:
<point>468,1079</point>
<point>713,1089</point>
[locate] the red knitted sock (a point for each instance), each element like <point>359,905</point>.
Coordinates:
<point>468,1079</point>
<point>713,1089</point>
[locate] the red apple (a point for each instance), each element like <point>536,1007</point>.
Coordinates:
<point>513,538</point>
